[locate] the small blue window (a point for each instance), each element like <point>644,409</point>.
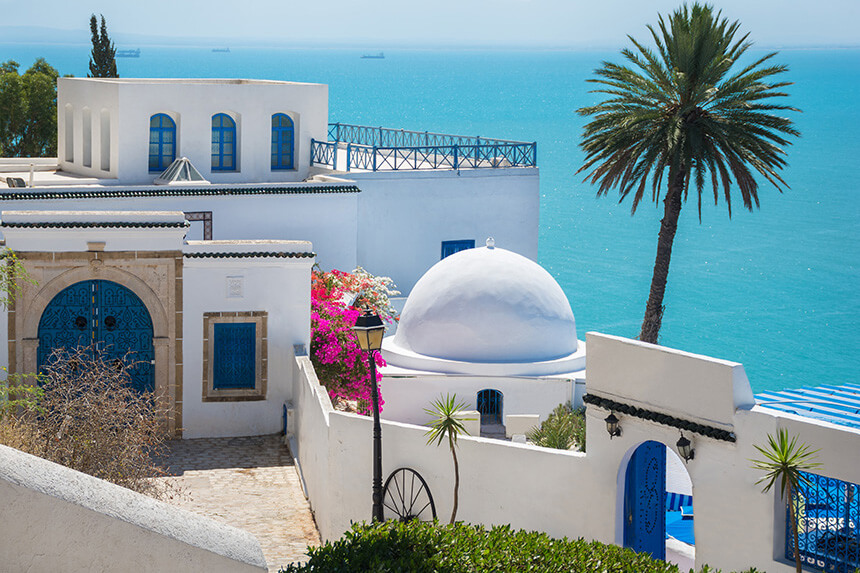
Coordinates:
<point>223,143</point>
<point>234,360</point>
<point>282,141</point>
<point>451,247</point>
<point>162,142</point>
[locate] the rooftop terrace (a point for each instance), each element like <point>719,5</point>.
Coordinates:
<point>364,148</point>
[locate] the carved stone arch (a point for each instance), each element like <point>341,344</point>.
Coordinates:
<point>154,277</point>
<point>33,313</point>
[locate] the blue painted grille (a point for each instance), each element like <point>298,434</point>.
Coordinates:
<point>828,525</point>
<point>490,406</point>
<point>235,357</point>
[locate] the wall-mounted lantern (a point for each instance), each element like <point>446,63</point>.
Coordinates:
<point>612,425</point>
<point>685,448</point>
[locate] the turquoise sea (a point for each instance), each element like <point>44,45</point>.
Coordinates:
<point>777,289</point>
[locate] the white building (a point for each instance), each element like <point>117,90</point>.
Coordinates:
<point>492,327</point>
<point>236,247</point>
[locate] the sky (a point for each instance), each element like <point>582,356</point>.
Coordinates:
<point>516,23</point>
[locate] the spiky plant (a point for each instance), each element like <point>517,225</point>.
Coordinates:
<point>783,461</point>
<point>446,423</point>
<point>685,112</point>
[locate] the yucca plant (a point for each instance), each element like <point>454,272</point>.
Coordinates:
<point>784,460</point>
<point>563,428</point>
<point>685,112</point>
<point>447,424</point>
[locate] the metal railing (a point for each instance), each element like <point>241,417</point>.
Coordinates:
<point>383,149</point>
<point>828,525</point>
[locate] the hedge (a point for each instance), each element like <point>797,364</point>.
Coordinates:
<point>419,547</point>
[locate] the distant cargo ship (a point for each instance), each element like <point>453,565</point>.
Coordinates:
<point>379,56</point>
<point>220,49</point>
<point>128,53</point>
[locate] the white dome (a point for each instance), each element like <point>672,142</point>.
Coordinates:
<point>489,306</point>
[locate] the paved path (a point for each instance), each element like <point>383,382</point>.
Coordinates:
<point>250,483</point>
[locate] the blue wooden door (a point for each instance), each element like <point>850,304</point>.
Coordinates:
<point>105,315</point>
<point>645,500</point>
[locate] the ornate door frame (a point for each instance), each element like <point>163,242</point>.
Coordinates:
<point>154,277</point>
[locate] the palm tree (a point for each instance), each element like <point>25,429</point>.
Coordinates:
<point>446,423</point>
<point>784,460</point>
<point>685,113</point>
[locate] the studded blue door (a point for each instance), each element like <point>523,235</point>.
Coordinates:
<point>645,500</point>
<point>102,314</point>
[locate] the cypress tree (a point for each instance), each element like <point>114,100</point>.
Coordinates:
<point>103,57</point>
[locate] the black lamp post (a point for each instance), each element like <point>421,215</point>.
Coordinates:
<point>369,329</point>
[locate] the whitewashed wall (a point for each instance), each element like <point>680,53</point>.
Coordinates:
<point>406,216</point>
<point>53,518</point>
<point>277,286</point>
<point>328,220</point>
<point>574,494</point>
<point>192,103</point>
<point>406,397</point>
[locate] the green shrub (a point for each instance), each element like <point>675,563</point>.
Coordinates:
<point>563,429</point>
<point>419,547</point>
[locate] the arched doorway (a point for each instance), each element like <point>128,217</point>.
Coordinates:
<point>658,505</point>
<point>490,407</point>
<point>103,314</point>
<point>645,500</point>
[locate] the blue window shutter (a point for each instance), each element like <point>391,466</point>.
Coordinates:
<point>451,247</point>
<point>234,360</point>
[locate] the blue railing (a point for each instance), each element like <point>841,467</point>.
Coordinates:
<point>828,525</point>
<point>383,149</point>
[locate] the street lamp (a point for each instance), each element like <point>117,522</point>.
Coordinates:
<point>369,330</point>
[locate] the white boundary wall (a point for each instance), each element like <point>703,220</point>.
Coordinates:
<point>576,494</point>
<point>53,518</point>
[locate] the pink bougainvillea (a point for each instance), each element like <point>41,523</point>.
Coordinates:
<point>340,363</point>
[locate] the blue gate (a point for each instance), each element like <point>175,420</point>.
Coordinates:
<point>105,315</point>
<point>490,406</point>
<point>645,500</point>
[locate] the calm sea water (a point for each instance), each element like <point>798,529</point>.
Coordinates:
<point>776,289</point>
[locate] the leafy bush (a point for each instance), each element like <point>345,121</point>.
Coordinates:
<point>83,413</point>
<point>563,429</point>
<point>419,547</point>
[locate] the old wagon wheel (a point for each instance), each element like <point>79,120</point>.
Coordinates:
<point>407,497</point>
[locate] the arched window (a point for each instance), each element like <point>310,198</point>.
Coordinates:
<point>162,142</point>
<point>282,141</point>
<point>223,143</point>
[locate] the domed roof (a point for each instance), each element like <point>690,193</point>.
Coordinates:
<point>489,306</point>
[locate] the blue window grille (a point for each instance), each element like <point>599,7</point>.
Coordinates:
<point>451,247</point>
<point>828,524</point>
<point>223,143</point>
<point>490,406</point>
<point>234,356</point>
<point>282,141</point>
<point>162,142</point>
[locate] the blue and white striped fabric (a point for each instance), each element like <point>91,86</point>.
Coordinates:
<point>674,501</point>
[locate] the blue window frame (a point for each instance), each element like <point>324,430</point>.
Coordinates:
<point>162,142</point>
<point>234,360</point>
<point>223,143</point>
<point>451,247</point>
<point>282,141</point>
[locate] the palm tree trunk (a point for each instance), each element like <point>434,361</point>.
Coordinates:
<point>456,478</point>
<point>668,226</point>
<point>792,514</point>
